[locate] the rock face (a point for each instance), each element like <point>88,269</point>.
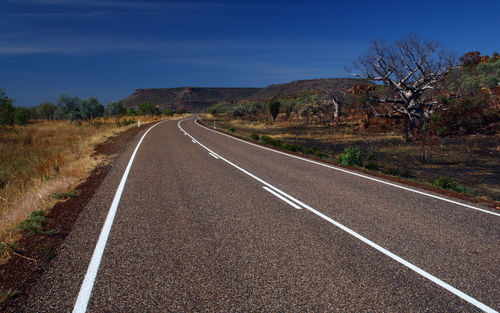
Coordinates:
<point>196,99</point>
<point>192,99</point>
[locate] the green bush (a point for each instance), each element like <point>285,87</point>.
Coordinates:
<point>231,129</point>
<point>309,150</point>
<point>351,157</point>
<point>254,136</point>
<point>33,224</point>
<point>168,112</point>
<point>21,116</point>
<point>126,122</point>
<point>449,184</point>
<point>292,147</point>
<point>48,253</point>
<point>321,154</point>
<point>270,141</point>
<point>7,110</point>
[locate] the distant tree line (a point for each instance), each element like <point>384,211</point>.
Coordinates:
<point>73,109</point>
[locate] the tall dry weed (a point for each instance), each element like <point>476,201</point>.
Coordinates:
<point>43,158</point>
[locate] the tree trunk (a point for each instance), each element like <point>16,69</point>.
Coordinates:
<point>336,112</point>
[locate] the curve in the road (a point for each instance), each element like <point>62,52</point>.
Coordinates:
<point>372,244</point>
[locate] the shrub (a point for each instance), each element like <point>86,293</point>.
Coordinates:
<point>292,147</point>
<point>131,112</point>
<point>231,129</point>
<point>7,110</point>
<point>254,136</point>
<point>320,154</point>
<point>126,122</point>
<point>449,184</point>
<point>240,111</point>
<point>33,224</point>
<point>21,116</point>
<point>168,112</point>
<point>351,157</point>
<point>274,109</point>
<point>270,141</point>
<point>392,171</point>
<point>309,150</point>
<point>372,165</point>
<point>407,174</point>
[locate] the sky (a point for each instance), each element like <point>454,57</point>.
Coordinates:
<point>109,48</point>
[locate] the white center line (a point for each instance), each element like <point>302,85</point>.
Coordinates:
<point>353,173</point>
<point>372,244</point>
<point>212,154</point>
<point>283,198</point>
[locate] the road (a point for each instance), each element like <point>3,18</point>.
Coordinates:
<point>205,222</point>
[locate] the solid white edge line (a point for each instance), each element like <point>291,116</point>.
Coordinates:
<point>372,244</point>
<point>353,173</point>
<point>88,282</point>
<point>282,198</point>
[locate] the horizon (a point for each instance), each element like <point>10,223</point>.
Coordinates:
<point>108,49</point>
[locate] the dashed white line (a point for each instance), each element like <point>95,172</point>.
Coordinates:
<point>353,173</point>
<point>282,198</point>
<point>372,244</point>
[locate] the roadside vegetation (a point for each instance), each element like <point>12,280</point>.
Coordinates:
<point>46,151</point>
<point>415,113</point>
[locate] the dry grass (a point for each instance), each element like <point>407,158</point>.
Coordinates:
<point>42,158</point>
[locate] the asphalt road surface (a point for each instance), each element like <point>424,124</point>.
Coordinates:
<point>204,222</point>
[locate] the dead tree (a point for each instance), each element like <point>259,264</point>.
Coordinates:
<point>411,71</point>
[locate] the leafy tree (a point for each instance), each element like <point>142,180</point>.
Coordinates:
<point>218,108</point>
<point>115,109</point>
<point>168,112</point>
<point>148,108</point>
<point>412,71</point>
<point>21,116</point>
<point>90,109</point>
<point>240,111</point>
<point>131,112</point>
<point>67,107</point>
<point>310,109</point>
<point>274,108</point>
<point>471,58</point>
<point>46,110</point>
<point>7,110</point>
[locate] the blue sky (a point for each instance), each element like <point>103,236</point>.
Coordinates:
<point>109,48</point>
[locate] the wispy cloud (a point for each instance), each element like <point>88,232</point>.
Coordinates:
<point>62,15</point>
<point>133,4</point>
<point>33,49</point>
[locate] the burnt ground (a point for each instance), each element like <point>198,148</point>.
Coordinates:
<point>32,253</point>
<point>472,161</point>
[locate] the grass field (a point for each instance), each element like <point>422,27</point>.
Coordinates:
<point>471,161</point>
<point>43,160</point>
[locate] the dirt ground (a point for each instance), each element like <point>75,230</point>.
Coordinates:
<point>472,161</point>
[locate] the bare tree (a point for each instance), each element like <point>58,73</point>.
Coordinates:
<point>338,98</point>
<point>411,71</point>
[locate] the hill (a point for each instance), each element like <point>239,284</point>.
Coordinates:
<point>300,86</point>
<point>195,99</point>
